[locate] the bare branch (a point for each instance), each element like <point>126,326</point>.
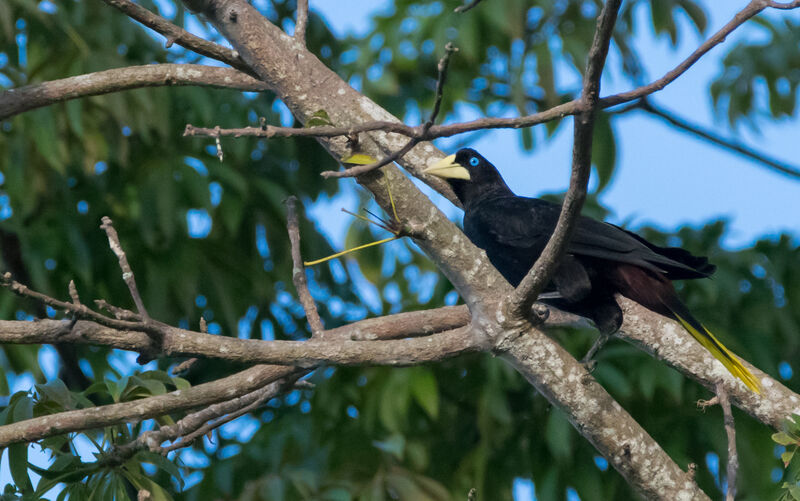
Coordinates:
<point>205,394</point>
<point>466,6</point>
<point>302,21</point>
<point>666,340</point>
<point>127,272</point>
<point>363,169</point>
<point>119,313</point>
<point>779,5</point>
<point>555,113</point>
<point>80,310</point>
<point>752,9</point>
<point>270,131</point>
<point>195,425</point>
<point>444,62</point>
<point>260,398</point>
<point>73,293</point>
<point>721,398</point>
<point>176,34</point>
<point>397,326</point>
<point>735,146</point>
<point>173,341</point>
<point>529,288</point>
<point>299,271</point>
<point>730,431</point>
<point>30,97</point>
<point>597,416</point>
<point>191,428</point>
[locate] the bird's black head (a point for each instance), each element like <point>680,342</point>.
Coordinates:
<point>472,177</point>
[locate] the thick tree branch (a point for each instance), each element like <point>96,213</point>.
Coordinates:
<point>668,341</point>
<point>657,335</point>
<point>30,97</point>
<point>176,34</point>
<point>599,418</point>
<point>537,278</point>
<point>202,395</point>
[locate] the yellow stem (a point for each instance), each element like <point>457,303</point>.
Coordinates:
<point>333,256</point>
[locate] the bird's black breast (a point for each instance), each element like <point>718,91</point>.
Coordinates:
<point>513,234</point>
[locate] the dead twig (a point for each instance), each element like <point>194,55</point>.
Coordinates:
<point>299,271</point>
<point>127,272</point>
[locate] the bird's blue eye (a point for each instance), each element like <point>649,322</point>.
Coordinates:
<point>474,161</point>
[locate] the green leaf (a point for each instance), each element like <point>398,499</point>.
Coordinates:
<point>787,456</point>
<point>161,463</point>
<point>394,445</point>
<point>18,464</point>
<point>558,435</point>
<point>425,391</point>
<point>604,150</point>
<point>318,118</point>
<point>395,399</point>
<point>56,391</point>
<point>783,438</point>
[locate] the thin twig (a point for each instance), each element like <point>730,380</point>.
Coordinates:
<point>467,6</point>
<point>299,271</point>
<point>119,313</point>
<point>779,5</point>
<point>127,272</point>
<point>176,34</point>
<point>362,169</point>
<point>444,62</point>
<point>190,423</point>
<point>80,311</point>
<point>73,293</point>
<point>302,21</point>
<point>524,296</point>
<point>259,397</point>
<point>685,125</point>
<point>721,399</point>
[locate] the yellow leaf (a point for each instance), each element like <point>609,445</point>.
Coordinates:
<point>359,159</point>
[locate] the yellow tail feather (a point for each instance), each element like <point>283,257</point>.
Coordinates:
<point>723,354</point>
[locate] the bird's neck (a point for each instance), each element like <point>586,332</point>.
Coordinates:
<point>471,194</point>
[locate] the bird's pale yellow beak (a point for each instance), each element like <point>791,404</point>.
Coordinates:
<point>447,168</point>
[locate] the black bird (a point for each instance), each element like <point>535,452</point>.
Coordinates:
<point>601,259</point>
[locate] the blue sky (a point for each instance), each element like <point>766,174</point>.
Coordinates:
<point>664,177</point>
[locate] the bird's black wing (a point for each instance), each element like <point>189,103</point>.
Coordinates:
<point>527,223</point>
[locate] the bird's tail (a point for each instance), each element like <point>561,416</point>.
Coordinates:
<point>712,344</point>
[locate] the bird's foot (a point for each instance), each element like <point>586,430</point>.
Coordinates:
<point>540,313</point>
<point>588,360</point>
